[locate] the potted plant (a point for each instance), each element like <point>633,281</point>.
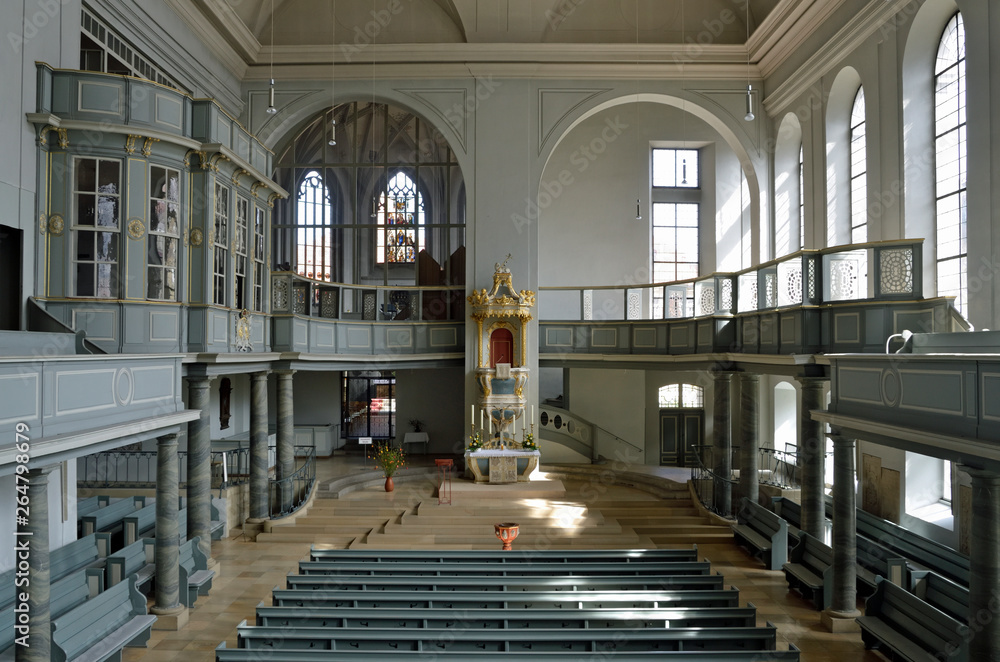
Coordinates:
<point>416,424</point>
<point>389,458</point>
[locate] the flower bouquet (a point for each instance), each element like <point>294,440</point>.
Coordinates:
<point>528,443</point>
<point>388,458</point>
<point>475,441</point>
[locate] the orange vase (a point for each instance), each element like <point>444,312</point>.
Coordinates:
<point>506,532</point>
<point>389,487</point>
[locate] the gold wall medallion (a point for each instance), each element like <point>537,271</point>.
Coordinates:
<point>196,236</point>
<point>56,225</point>
<point>136,229</point>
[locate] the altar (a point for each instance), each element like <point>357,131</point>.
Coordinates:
<point>501,466</point>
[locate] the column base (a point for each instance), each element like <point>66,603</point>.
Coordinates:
<point>840,621</point>
<point>215,565</point>
<point>169,618</point>
<point>254,526</point>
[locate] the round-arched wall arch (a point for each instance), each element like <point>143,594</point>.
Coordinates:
<point>787,193</point>
<point>838,155</point>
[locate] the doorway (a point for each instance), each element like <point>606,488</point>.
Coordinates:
<point>10,276</point>
<point>682,424</point>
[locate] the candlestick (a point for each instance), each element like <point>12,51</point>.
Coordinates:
<point>480,419</point>
<point>473,419</point>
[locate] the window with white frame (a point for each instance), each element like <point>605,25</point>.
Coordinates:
<point>96,226</point>
<point>241,257</point>
<point>802,199</point>
<point>314,213</point>
<point>859,171</point>
<point>259,222</point>
<point>220,243</point>
<point>164,233</point>
<point>681,396</point>
<point>675,248</point>
<point>951,164</point>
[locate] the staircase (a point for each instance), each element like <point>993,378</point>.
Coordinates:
<point>410,517</point>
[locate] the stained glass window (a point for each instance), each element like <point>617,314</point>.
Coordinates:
<point>676,396</point>
<point>400,213</point>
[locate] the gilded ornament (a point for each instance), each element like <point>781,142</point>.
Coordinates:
<point>147,146</point>
<point>56,225</point>
<point>136,229</point>
<point>197,236</point>
<point>42,225</point>
<point>130,143</point>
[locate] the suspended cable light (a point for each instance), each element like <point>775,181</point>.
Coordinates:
<point>271,110</point>
<point>333,75</point>
<point>749,116</point>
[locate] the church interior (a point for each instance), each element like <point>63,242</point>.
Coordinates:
<point>286,285</point>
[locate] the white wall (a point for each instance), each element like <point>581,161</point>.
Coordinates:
<point>435,397</point>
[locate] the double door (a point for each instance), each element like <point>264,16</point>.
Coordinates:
<point>681,431</point>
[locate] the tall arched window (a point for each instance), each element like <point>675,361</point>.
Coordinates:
<point>400,216</point>
<point>314,254</point>
<point>951,164</point>
<point>802,199</point>
<point>859,171</point>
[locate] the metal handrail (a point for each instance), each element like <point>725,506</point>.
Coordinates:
<point>297,487</point>
<point>137,469</point>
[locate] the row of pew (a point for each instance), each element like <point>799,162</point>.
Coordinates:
<point>98,588</point>
<point>485,605</point>
<point>918,597</point>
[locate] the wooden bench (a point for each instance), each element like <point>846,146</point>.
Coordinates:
<point>535,640</point>
<point>708,617</point>
<point>941,592</point>
<point>876,561</point>
<point>140,524</point>
<point>560,556</point>
<point>762,533</point>
<point>100,627</point>
<point>569,600</point>
<point>109,518</point>
<point>85,552</point>
<point>903,626</point>
<point>507,584</point>
<point>217,514</point>
<point>920,550</point>
<point>223,654</point>
<point>809,571</point>
<point>134,560</point>
<point>90,504</point>
<point>343,569</point>
<point>65,594</point>
<point>194,572</point>
<point>791,512</point>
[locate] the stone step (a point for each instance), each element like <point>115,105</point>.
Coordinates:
<point>350,521</point>
<point>667,522</point>
<point>667,540</point>
<point>331,540</point>
<point>657,511</point>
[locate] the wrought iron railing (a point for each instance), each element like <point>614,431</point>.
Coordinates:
<point>778,468</point>
<point>286,495</point>
<point>137,469</point>
<point>704,479</point>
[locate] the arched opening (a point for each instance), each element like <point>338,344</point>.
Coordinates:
<point>788,186</point>
<point>502,347</point>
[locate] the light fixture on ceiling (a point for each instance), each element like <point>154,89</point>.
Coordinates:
<point>271,110</point>
<point>333,77</point>
<point>684,172</point>
<point>749,116</point>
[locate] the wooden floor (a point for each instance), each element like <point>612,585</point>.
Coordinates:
<point>590,514</point>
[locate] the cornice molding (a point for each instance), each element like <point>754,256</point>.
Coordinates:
<point>214,39</point>
<point>862,25</point>
<point>227,20</point>
<point>797,22</point>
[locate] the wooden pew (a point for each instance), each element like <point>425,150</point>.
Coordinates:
<point>433,640</point>
<point>762,533</point>
<point>873,561</point>
<point>504,584</point>
<point>194,572</point>
<point>708,617</point>
<point>809,571</point>
<point>90,504</point>
<point>102,626</point>
<point>920,550</point>
<point>902,625</point>
<point>140,524</point>
<point>343,569</point>
<point>109,518</point>
<point>223,654</point>
<point>941,593</point>
<point>791,512</point>
<point>560,556</point>
<point>64,595</point>
<point>86,552</point>
<point>408,599</point>
<point>134,560</point>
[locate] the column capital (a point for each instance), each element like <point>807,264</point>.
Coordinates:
<point>198,380</point>
<point>167,439</point>
<point>285,372</point>
<point>749,376</point>
<point>260,375</point>
<point>812,381</point>
<point>980,474</point>
<point>41,472</point>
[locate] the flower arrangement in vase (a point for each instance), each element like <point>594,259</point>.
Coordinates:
<point>475,440</point>
<point>389,458</point>
<point>528,443</point>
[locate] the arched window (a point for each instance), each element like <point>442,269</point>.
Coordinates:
<point>802,199</point>
<point>313,241</point>
<point>951,165</point>
<point>380,203</point>
<point>859,171</point>
<point>681,396</point>
<point>400,216</point>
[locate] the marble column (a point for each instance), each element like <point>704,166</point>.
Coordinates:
<point>723,443</point>
<point>843,607</point>
<point>812,453</point>
<point>258,445</point>
<point>31,558</point>
<point>199,468</point>
<point>286,437</point>
<point>170,612</point>
<point>984,566</point>
<point>749,435</point>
